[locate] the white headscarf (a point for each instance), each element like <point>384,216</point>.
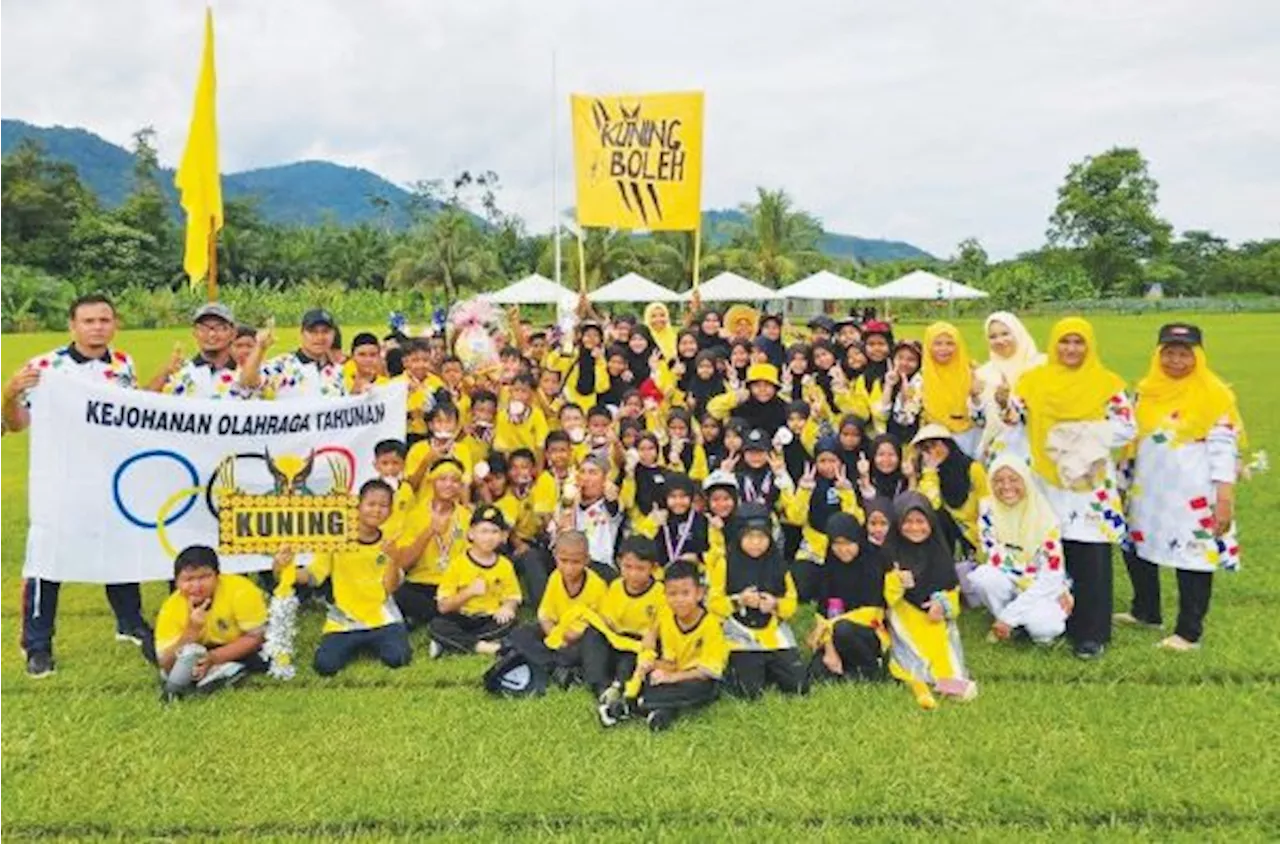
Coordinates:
<point>1010,369</point>
<point>1028,523</point>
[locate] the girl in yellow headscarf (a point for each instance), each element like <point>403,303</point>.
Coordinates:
<point>1076,414</point>
<point>658,320</point>
<point>1182,501</point>
<point>949,385</point>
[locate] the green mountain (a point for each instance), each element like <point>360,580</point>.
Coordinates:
<point>311,192</point>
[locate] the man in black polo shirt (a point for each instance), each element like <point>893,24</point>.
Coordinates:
<point>89,357</point>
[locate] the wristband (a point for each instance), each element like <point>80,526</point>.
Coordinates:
<point>940,598</point>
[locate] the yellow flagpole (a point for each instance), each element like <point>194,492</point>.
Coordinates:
<point>582,263</point>
<point>697,257</point>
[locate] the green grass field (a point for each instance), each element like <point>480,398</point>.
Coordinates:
<point>1142,745</point>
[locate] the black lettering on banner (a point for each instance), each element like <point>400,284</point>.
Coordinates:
<point>91,412</point>
<point>315,524</point>
<point>242,524</point>
<point>334,525</point>
<point>642,154</point>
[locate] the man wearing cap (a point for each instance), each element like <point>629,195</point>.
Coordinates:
<point>88,358</point>
<point>211,373</point>
<point>758,403</point>
<point>307,372</point>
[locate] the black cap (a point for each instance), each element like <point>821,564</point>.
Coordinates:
<point>1181,332</point>
<point>318,316</point>
<point>754,514</point>
<point>827,444</point>
<point>757,440</point>
<point>490,514</point>
<point>824,322</point>
<point>847,320</point>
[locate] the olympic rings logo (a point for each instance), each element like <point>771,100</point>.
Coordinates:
<point>179,504</point>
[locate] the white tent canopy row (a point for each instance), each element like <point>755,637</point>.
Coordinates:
<point>925,286</point>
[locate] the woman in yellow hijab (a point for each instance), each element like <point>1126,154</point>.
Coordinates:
<point>948,385</point>
<point>658,320</point>
<point>1076,414</point>
<point>1182,502</point>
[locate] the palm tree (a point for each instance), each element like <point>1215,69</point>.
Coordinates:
<point>777,242</point>
<point>449,251</point>
<point>609,253</point>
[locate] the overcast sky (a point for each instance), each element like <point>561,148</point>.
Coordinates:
<point>920,121</point>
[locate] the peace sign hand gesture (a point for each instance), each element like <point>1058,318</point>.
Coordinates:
<point>809,480</point>
<point>842,478</point>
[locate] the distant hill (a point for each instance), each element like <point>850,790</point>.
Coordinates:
<point>310,192</point>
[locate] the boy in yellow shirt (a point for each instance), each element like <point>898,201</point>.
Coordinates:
<point>479,595</point>
<point>434,530</point>
<point>211,628</point>
<point>388,462</point>
<point>611,644</point>
<point>520,423</point>
<point>363,616</point>
<point>574,594</point>
<point>682,660</point>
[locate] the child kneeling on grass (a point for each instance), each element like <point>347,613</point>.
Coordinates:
<point>211,628</point>
<point>479,593</point>
<point>682,660</point>
<point>754,595</point>
<point>611,643</point>
<point>363,616</point>
<point>574,592</point>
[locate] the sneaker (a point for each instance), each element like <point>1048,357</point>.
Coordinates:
<point>1128,619</point>
<point>660,719</point>
<point>39,664</point>
<point>1177,643</point>
<point>1089,650</point>
<point>606,715</point>
<point>434,651</point>
<point>613,694</point>
<point>221,676</point>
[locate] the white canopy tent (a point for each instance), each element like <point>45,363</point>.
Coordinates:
<point>731,287</point>
<point>827,286</point>
<point>532,290</point>
<point>924,285</point>
<point>633,287</point>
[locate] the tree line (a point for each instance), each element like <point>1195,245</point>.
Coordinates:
<point>1104,239</point>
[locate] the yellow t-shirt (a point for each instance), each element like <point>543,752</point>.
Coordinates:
<point>360,600</point>
<point>501,583</point>
<point>546,494</point>
<point>632,615</point>
<point>702,646</point>
<point>420,452</point>
<point>530,433</point>
<point>402,503</point>
<point>431,566</point>
<point>238,607</point>
<point>568,612</point>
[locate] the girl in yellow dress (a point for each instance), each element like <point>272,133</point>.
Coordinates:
<point>923,598</point>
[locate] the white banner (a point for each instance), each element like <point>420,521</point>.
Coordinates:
<point>121,480</point>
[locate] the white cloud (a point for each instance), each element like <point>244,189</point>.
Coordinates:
<point>916,120</point>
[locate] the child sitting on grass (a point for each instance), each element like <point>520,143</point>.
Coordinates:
<point>922,592</point>
<point>573,593</point>
<point>682,660</point>
<point>849,638</point>
<point>755,596</point>
<point>478,597</point>
<point>611,644</point>
<point>363,616</point>
<point>211,628</point>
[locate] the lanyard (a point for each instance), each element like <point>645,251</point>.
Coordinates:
<point>686,529</point>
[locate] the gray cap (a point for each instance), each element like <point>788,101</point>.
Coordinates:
<point>214,309</point>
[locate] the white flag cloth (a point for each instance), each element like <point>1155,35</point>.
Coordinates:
<point>120,480</point>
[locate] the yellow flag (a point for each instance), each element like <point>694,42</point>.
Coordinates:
<point>638,159</point>
<point>197,180</point>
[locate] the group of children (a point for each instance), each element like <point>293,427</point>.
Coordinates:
<point>663,503</point>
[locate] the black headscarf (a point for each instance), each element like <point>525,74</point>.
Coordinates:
<point>930,562</point>
<point>638,362</point>
<point>687,377</point>
<point>875,371</point>
<point>859,583</point>
<point>850,372</point>
<point>953,474</point>
<point>650,480</point>
<point>822,377</point>
<point>824,500</point>
<point>685,534</point>
<point>702,390</point>
<point>768,572</point>
<point>850,458</point>
<point>585,383</point>
<point>774,349</point>
<point>742,370</point>
<point>887,485</point>
<point>710,341</point>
